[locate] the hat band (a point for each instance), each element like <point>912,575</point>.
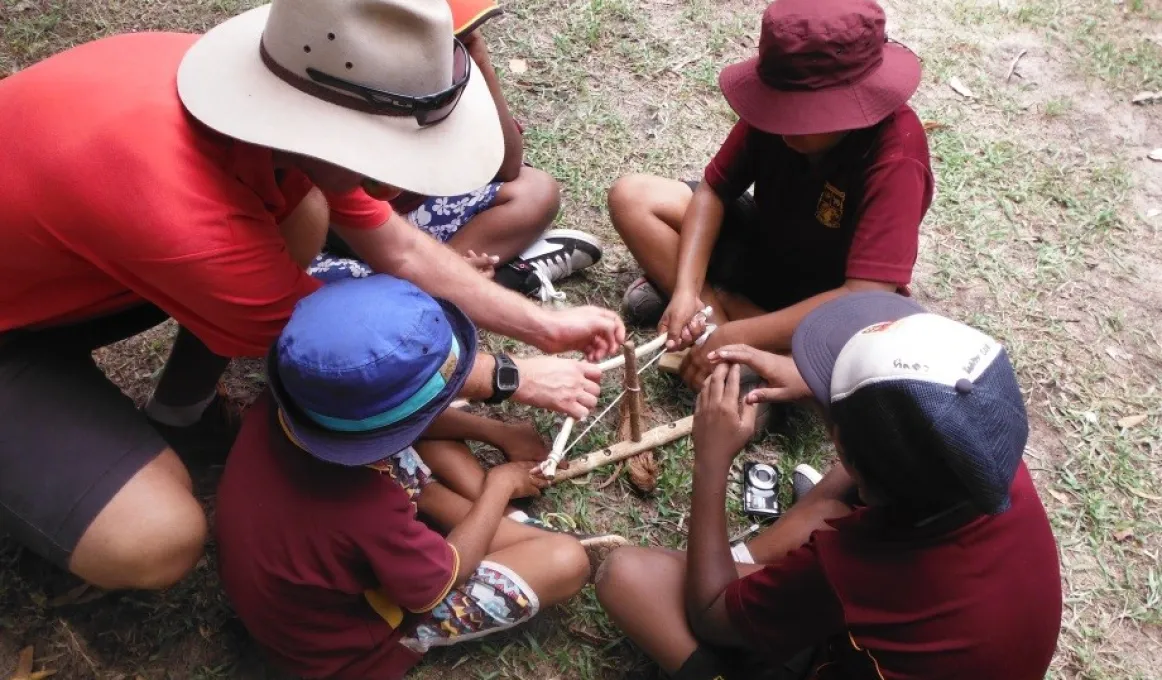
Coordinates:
<point>430,390</point>
<point>319,91</point>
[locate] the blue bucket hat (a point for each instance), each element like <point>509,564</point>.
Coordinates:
<point>364,366</point>
<point>914,393</point>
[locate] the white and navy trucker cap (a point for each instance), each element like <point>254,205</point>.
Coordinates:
<point>910,386</point>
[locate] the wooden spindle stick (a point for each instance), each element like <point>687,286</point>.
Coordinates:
<point>651,439</point>
<point>633,397</point>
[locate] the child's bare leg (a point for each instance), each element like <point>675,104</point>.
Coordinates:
<point>524,209</point>
<point>453,464</point>
<point>642,591</point>
<point>554,565</point>
<point>647,213</point>
<point>446,509</point>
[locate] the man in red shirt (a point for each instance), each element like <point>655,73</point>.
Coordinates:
<point>841,176</point>
<point>163,175</point>
<point>948,569</point>
<point>320,549</point>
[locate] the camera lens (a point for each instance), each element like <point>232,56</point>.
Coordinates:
<point>762,475</point>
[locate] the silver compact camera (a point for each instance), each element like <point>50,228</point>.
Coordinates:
<point>761,490</point>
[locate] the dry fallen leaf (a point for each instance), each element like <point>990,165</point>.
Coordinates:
<point>24,665</point>
<point>960,88</point>
<point>1153,212</point>
<point>1118,354</point>
<point>79,595</point>
<point>933,125</point>
<point>1155,155</point>
<point>1133,421</point>
<point>518,66</point>
<point>1060,496</point>
<point>1147,97</point>
<point>1123,535</point>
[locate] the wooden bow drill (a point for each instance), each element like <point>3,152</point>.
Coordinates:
<point>640,441</point>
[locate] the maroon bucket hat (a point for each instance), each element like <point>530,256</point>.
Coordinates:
<point>823,66</point>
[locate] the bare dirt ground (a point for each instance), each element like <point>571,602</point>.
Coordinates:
<point>1044,232</point>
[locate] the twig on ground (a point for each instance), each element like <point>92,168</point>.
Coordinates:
<point>1013,66</point>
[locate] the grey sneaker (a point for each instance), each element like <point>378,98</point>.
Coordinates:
<point>803,479</point>
<point>558,254</point>
<point>643,304</point>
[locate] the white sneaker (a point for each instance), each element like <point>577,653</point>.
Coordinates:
<point>803,479</point>
<point>558,254</point>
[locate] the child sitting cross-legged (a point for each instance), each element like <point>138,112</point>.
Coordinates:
<point>320,547</point>
<point>841,180</point>
<point>947,568</point>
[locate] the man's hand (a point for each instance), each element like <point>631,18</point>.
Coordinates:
<point>483,263</point>
<point>562,385</point>
<point>721,426</point>
<point>522,442</point>
<point>784,383</point>
<point>676,320</point>
<point>696,367</point>
<point>595,331</point>
<point>519,479</point>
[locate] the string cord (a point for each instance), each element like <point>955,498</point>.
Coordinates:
<point>609,408</point>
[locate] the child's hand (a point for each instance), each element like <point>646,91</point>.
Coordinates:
<point>483,263</point>
<point>721,426</point>
<point>522,443</point>
<point>784,383</point>
<point>519,478</point>
<point>677,319</point>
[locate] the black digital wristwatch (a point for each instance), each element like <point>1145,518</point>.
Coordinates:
<point>505,379</point>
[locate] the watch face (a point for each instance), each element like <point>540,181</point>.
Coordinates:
<point>508,378</point>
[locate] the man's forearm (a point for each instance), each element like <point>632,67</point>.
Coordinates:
<point>772,332</point>
<point>710,568</point>
<point>402,250</point>
<point>700,227</point>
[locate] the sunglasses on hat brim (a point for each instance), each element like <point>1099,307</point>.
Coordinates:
<point>427,109</point>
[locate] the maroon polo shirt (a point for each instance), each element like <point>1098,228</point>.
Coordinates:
<point>856,215</point>
<point>982,600</point>
<point>301,543</point>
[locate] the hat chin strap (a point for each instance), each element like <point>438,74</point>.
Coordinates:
<point>318,91</point>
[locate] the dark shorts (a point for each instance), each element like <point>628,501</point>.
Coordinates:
<point>69,439</point>
<point>737,264</point>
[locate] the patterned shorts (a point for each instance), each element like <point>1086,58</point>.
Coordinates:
<point>440,217</point>
<point>493,599</point>
<point>443,216</point>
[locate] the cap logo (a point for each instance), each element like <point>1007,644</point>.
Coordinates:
<point>876,328</point>
<point>972,363</point>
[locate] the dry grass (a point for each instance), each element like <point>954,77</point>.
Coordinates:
<point>1041,234</point>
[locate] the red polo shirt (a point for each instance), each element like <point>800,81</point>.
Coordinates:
<point>301,542</point>
<point>856,215</point>
<point>982,600</point>
<point>112,196</point>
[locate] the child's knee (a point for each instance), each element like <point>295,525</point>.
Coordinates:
<point>566,558</point>
<point>540,193</point>
<point>618,571</point>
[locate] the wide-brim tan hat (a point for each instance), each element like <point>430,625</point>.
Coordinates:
<point>224,82</point>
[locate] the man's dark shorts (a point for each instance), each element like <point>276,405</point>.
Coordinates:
<point>737,264</point>
<point>69,439</point>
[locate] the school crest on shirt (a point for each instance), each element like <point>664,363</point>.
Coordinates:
<point>829,211</point>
